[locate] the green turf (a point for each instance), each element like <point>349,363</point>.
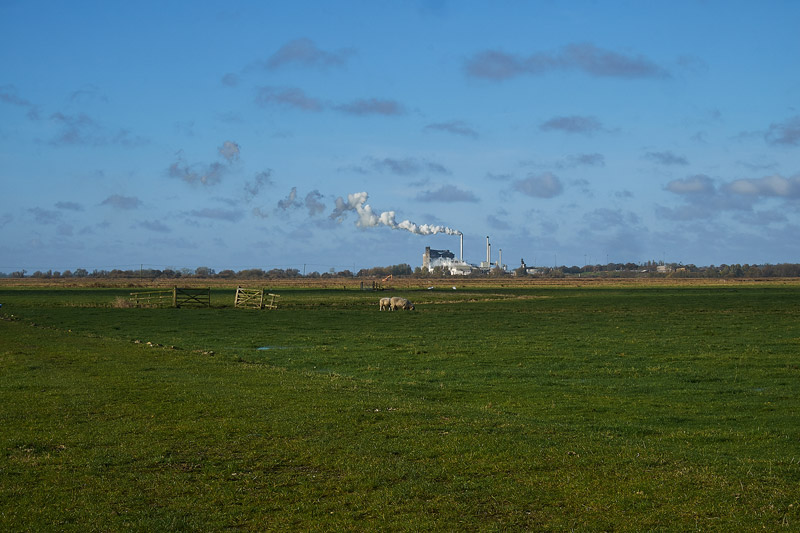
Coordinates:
<point>626,409</point>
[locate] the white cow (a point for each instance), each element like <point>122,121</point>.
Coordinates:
<point>386,304</point>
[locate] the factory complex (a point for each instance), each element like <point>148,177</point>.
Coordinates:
<point>446,260</point>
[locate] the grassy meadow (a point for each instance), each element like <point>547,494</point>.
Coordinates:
<point>489,408</point>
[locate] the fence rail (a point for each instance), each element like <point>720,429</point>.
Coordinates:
<point>175,297</point>
<point>272,304</point>
<point>153,298</point>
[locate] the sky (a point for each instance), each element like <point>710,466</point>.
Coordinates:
<point>330,136</point>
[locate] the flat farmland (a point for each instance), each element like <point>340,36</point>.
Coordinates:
<point>583,406</point>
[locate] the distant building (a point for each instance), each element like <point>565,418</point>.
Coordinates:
<point>526,269</point>
<point>431,257</point>
<point>446,260</point>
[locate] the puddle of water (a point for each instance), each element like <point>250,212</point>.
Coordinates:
<point>262,348</point>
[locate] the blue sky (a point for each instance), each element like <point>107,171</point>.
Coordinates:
<point>243,134</point>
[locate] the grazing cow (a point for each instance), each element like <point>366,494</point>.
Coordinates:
<point>386,304</point>
<point>401,303</point>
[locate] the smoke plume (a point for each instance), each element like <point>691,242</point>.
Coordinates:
<point>367,218</point>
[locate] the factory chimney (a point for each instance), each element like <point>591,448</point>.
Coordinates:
<point>461,253</point>
<point>500,259</point>
<point>488,251</point>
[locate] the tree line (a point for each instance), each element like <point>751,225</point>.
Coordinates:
<point>210,273</point>
<point>610,270</point>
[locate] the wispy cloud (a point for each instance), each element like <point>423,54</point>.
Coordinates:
<point>290,201</point>
<point>69,206</point>
<point>583,57</point>
<point>76,130</point>
<point>304,52</point>
<point>545,185</point>
<point>124,137</point>
<point>230,151</point>
<point>82,130</point>
<point>568,162</point>
<point>9,95</point>
<point>45,216</point>
<point>372,106</point>
<point>87,94</point>
<point>261,180</point>
<point>572,124</point>
<point>590,160</point>
<point>666,158</point>
<point>685,213</point>
<point>498,177</point>
<point>497,223</point>
<point>785,133</point>
<point>229,215</point>
<point>296,98</point>
<point>604,218</point>
<point>699,184</point>
<point>122,202</point>
<point>289,97</point>
<point>313,204</point>
<point>447,193</point>
<point>260,213</point>
<point>205,174</point>
<point>154,225</point>
<point>230,80</point>
<point>197,173</point>
<point>406,166</point>
<point>760,218</point>
<point>692,64</point>
<point>456,127</point>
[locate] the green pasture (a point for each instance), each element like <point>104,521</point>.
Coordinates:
<point>494,409</point>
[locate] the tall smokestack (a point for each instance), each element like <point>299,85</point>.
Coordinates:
<point>461,253</point>
<point>488,253</point>
<point>500,258</point>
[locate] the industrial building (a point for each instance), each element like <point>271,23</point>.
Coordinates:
<point>458,267</point>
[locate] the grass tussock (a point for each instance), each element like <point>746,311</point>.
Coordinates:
<point>120,302</point>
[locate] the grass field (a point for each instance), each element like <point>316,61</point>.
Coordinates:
<point>545,408</point>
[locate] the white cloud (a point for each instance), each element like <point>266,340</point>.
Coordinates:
<point>769,186</point>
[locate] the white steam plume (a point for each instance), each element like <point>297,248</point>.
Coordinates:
<point>368,219</point>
